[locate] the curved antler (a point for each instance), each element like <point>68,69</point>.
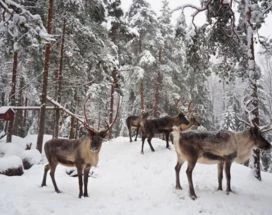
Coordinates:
<point>244,121</point>
<point>266,128</point>
<point>86,121</point>
<point>117,110</point>
<point>190,108</point>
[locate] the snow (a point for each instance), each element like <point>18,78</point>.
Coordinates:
<point>127,182</point>
<point>4,109</point>
<point>10,162</point>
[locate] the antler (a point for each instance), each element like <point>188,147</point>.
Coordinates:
<point>244,121</point>
<point>190,108</point>
<point>86,121</point>
<point>117,110</point>
<point>266,128</point>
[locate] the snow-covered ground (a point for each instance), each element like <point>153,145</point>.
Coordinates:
<point>127,182</point>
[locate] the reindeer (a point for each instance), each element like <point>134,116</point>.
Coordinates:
<point>135,121</point>
<point>164,125</point>
<point>82,153</point>
<point>220,148</point>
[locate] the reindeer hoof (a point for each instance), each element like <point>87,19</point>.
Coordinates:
<point>193,197</point>
<point>219,188</point>
<point>228,192</point>
<point>86,195</point>
<point>178,188</point>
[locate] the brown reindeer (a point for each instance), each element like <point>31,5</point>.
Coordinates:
<point>220,148</point>
<point>164,125</point>
<point>161,125</point>
<point>82,153</point>
<point>135,122</point>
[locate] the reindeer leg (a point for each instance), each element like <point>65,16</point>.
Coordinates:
<point>80,183</point>
<point>129,132</point>
<point>228,175</point>
<point>177,169</point>
<point>167,140</point>
<point>46,168</point>
<point>143,140</point>
<point>149,142</point>
<point>52,174</point>
<point>189,171</point>
<point>220,174</point>
<point>137,131</point>
<point>86,176</point>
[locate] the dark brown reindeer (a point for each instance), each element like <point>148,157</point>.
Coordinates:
<point>135,122</point>
<point>220,148</point>
<point>164,125</point>
<point>82,153</point>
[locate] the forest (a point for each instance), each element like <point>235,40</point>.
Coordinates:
<point>66,51</point>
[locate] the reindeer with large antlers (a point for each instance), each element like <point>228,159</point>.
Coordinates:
<point>82,153</point>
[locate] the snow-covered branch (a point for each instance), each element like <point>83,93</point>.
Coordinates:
<point>21,21</point>
<point>194,7</point>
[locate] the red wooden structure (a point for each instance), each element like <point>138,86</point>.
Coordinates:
<point>6,113</point>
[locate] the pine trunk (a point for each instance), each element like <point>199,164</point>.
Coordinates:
<point>45,79</point>
<point>59,81</point>
<point>72,134</point>
<point>113,87</point>
<point>19,121</point>
<point>12,94</point>
<point>156,97</point>
<point>142,95</point>
<point>254,103</point>
<point>158,83</point>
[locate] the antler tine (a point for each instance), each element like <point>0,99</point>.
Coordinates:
<point>117,111</point>
<point>244,121</point>
<point>190,108</point>
<point>86,121</point>
<point>266,128</point>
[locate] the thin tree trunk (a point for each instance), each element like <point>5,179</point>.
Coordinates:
<point>59,81</point>
<point>142,95</point>
<point>158,82</point>
<point>19,113</point>
<point>12,94</point>
<point>113,87</point>
<point>156,97</point>
<point>45,78</point>
<point>252,84</point>
<point>72,134</point>
<point>25,114</point>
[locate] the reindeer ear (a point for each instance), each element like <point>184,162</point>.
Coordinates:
<point>254,131</point>
<point>91,133</point>
<point>103,133</point>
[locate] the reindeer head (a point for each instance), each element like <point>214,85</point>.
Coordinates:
<point>182,119</point>
<point>258,138</point>
<point>97,136</point>
<point>144,115</point>
<point>193,122</point>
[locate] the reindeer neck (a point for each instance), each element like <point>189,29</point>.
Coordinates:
<point>245,145</point>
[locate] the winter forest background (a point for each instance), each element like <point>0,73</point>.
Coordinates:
<point>69,49</point>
